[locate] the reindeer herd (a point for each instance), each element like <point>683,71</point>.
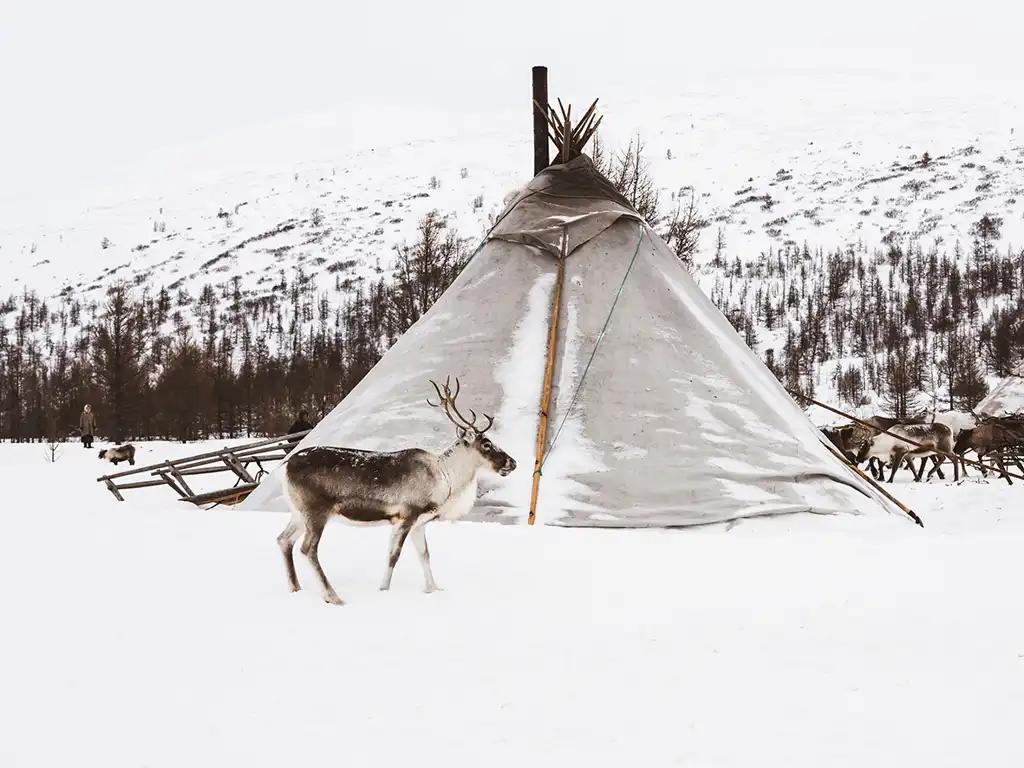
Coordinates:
<point>949,435</point>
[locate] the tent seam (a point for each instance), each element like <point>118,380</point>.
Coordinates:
<point>600,338</point>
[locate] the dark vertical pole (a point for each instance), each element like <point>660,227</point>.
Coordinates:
<point>541,158</point>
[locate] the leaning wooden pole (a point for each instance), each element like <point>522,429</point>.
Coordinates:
<point>874,484</point>
<point>549,371</point>
<point>951,456</point>
<point>541,156</point>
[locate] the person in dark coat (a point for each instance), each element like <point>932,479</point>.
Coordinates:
<point>301,425</point>
<point>87,423</point>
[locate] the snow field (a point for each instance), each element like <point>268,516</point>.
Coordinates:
<point>146,634</point>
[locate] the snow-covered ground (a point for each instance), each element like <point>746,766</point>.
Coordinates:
<point>145,634</point>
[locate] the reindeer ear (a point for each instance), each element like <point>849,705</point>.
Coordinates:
<point>464,434</point>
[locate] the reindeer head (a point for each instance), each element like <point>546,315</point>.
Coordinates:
<point>468,433</point>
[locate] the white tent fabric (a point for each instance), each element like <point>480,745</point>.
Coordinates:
<point>1007,398</point>
<point>675,423</point>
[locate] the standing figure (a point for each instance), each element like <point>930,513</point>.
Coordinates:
<point>87,423</point>
<point>301,425</point>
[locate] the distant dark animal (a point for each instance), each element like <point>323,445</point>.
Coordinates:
<point>405,489</point>
<point>932,439</point>
<point>121,453</point>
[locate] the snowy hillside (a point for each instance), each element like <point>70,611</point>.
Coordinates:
<point>281,225</point>
<point>829,162</point>
<point>144,633</point>
<point>336,221</point>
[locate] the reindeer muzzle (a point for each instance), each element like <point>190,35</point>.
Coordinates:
<point>507,468</point>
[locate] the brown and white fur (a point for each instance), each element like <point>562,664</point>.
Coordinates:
<point>936,439</point>
<point>405,489</point>
<point>991,436</point>
<point>861,434</point>
<point>121,453</point>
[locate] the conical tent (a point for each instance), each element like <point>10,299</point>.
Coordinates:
<point>659,414</point>
<point>1007,398</point>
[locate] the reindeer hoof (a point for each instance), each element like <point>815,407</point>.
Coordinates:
<point>432,588</point>
<point>334,600</point>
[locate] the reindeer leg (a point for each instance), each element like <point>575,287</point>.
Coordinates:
<point>917,473</point>
<point>310,547</point>
<point>399,532</point>
<point>419,540</point>
<point>286,540</point>
<point>937,462</point>
<point>963,467</point>
<point>872,466</point>
<point>897,461</point>
<point>1002,466</point>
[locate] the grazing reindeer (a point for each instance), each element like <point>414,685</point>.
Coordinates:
<point>121,453</point>
<point>406,489</point>
<point>935,437</point>
<point>840,438</point>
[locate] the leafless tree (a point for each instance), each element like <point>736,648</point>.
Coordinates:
<point>629,171</point>
<point>54,445</point>
<point>684,231</point>
<point>424,270</point>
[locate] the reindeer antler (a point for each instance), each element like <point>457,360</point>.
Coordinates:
<point>447,403</point>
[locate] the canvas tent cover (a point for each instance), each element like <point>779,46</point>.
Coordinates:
<point>1007,398</point>
<point>676,422</point>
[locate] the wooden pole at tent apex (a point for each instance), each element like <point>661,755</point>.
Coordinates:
<point>541,156</point>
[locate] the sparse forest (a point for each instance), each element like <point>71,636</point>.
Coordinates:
<point>160,363</point>
<point>915,322</point>
<point>250,367</point>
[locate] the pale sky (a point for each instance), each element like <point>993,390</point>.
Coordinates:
<point>88,86</point>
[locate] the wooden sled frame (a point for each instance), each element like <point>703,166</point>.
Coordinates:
<point>238,460</point>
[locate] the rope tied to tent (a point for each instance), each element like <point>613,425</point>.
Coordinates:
<point>538,471</point>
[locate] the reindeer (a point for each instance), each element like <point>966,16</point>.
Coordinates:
<point>992,435</point>
<point>957,421</point>
<point>406,489</point>
<point>935,437</point>
<point>121,453</point>
<point>840,437</point>
<point>861,434</point>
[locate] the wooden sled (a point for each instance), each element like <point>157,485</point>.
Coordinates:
<point>245,462</point>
